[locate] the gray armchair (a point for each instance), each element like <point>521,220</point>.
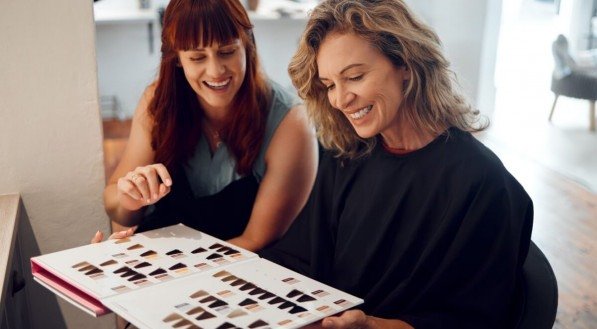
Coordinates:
<point>572,80</point>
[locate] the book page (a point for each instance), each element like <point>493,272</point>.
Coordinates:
<point>252,294</point>
<point>144,259</point>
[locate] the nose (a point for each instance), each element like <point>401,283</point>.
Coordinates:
<point>341,97</point>
<point>215,67</point>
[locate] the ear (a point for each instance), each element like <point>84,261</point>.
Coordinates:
<point>405,70</point>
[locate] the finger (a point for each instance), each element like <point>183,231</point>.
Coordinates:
<point>152,182</point>
<point>141,184</point>
<point>98,237</point>
<point>348,319</point>
<point>164,174</point>
<point>126,187</point>
<point>119,234</point>
<point>332,322</point>
<point>164,190</point>
<point>130,231</point>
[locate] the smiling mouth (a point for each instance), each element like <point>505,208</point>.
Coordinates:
<point>361,113</point>
<point>217,85</point>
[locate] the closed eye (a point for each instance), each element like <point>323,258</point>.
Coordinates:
<point>357,78</point>
<point>226,53</point>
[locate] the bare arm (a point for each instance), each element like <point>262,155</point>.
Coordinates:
<point>291,161</point>
<point>134,183</point>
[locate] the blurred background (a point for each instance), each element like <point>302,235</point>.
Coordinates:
<point>72,71</point>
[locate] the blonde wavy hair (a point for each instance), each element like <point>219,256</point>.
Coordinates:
<point>432,100</point>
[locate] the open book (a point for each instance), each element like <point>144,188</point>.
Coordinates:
<point>177,277</point>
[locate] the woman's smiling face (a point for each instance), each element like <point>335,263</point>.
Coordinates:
<point>215,72</point>
<point>361,82</point>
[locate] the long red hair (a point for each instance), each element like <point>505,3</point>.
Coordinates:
<point>175,109</point>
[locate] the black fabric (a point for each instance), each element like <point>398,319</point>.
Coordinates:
<point>541,292</point>
<point>223,215</point>
<point>436,237</point>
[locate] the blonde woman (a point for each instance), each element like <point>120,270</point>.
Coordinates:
<point>409,210</point>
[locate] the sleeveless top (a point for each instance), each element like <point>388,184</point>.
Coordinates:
<point>208,194</point>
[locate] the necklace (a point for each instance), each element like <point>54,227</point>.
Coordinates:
<point>213,136</point>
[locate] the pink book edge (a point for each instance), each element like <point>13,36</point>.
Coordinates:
<point>68,290</point>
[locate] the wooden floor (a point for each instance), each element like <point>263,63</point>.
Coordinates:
<point>565,226</point>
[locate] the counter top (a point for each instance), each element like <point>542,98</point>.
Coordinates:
<point>267,10</point>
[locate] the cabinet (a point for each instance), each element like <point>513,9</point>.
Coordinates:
<point>13,302</point>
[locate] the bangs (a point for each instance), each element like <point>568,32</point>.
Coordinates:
<point>203,25</point>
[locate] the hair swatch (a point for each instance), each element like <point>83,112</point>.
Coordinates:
<point>258,323</point>
<point>172,317</point>
<point>177,266</point>
<point>246,302</point>
<point>143,264</point>
<point>236,313</point>
<point>205,315</point>
<point>149,253</point>
<point>109,262</point>
<point>157,271</point>
<point>226,325</point>
<point>198,250</point>
<point>199,293</point>
<point>173,252</point>
<point>81,264</point>
<point>135,247</point>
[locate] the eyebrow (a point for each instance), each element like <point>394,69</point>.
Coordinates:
<point>233,43</point>
<point>344,70</point>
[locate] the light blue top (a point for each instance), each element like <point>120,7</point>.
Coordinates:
<point>209,174</point>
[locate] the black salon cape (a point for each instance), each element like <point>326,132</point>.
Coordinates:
<point>436,237</point>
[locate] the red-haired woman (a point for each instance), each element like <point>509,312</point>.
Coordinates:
<point>213,143</point>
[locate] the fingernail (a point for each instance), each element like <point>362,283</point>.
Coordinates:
<point>148,201</point>
<point>155,196</point>
<point>168,182</point>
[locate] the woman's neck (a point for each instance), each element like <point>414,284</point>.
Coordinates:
<point>406,138</point>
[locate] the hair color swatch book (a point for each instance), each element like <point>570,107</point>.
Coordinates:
<point>177,277</point>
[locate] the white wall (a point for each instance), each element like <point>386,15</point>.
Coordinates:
<point>126,65</point>
<point>469,32</point>
<point>574,22</point>
<point>468,28</point>
<point>50,137</point>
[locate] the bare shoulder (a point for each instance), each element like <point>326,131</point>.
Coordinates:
<point>297,119</point>
<point>294,135</point>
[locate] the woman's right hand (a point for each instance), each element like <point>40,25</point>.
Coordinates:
<point>142,186</point>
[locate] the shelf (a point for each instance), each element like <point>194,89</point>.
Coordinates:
<point>103,16</point>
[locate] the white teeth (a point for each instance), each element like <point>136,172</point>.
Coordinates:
<point>218,84</point>
<point>361,113</point>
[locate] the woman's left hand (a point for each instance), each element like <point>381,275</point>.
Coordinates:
<point>357,319</point>
<point>353,319</point>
